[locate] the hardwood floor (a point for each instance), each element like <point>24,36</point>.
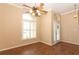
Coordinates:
<point>60,48</point>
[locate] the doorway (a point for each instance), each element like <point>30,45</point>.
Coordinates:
<point>56,31</point>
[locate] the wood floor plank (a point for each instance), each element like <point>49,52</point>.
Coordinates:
<point>61,48</point>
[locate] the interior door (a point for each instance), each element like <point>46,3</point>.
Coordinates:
<point>56,31</point>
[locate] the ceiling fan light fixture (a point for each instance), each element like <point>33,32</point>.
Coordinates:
<point>75,16</point>
<point>39,14</point>
<point>33,14</point>
<point>36,10</point>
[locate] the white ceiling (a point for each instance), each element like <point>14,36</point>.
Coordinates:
<point>62,7</point>
<point>57,7</point>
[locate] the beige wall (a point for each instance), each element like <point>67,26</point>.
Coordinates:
<point>69,28</point>
<point>1,26</point>
<point>46,28</point>
<point>11,27</point>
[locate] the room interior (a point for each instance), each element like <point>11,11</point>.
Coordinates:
<point>52,31</point>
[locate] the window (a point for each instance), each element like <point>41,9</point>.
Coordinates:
<point>29,27</point>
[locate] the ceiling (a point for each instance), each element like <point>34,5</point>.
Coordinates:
<point>62,7</point>
<point>57,7</point>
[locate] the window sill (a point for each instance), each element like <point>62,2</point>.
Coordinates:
<point>29,39</point>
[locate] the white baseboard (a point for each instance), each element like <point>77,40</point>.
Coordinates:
<point>28,44</point>
<point>46,43</point>
<point>56,42</point>
<point>51,44</point>
<point>70,42</point>
<point>17,46</point>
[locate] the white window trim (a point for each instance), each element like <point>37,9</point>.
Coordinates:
<point>30,30</point>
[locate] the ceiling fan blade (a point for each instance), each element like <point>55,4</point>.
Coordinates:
<point>41,7</point>
<point>27,6</point>
<point>43,11</point>
<point>41,4</point>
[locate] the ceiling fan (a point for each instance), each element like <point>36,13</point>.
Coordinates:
<point>36,10</point>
